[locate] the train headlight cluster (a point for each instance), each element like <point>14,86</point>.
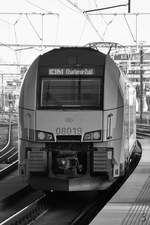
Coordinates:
<point>91,136</point>
<point>44,136</point>
<point>41,135</point>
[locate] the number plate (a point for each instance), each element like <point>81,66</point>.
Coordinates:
<point>68,131</point>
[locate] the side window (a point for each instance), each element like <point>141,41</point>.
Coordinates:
<point>131,110</point>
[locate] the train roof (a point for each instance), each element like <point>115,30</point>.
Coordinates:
<point>72,56</point>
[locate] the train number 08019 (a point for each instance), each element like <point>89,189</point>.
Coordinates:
<point>68,131</point>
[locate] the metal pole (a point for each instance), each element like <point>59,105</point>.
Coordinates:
<point>109,7</point>
<point>141,84</point>
<point>2,92</point>
<point>136,25</point>
<point>129,6</point>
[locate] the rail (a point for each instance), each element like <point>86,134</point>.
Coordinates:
<point>29,213</point>
<point>9,153</point>
<point>5,148</point>
<point>8,169</point>
<point>142,130</point>
<point>13,157</point>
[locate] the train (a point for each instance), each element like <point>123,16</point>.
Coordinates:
<point>77,128</point>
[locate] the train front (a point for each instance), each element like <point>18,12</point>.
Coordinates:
<point>62,144</point>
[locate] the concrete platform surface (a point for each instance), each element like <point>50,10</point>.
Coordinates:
<point>131,204</point>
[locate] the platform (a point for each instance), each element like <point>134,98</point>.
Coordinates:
<point>131,204</point>
<point>11,186</point>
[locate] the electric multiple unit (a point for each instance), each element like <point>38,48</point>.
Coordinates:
<point>77,121</point>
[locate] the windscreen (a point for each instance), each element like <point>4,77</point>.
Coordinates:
<point>76,92</point>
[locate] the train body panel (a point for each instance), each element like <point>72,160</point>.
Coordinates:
<point>29,86</point>
<point>77,121</point>
<point>74,123</point>
<point>112,92</point>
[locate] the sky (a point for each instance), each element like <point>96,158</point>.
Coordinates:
<point>68,25</point>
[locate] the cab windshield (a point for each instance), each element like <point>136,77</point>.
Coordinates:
<point>71,92</point>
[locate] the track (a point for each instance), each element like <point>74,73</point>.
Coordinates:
<point>8,161</point>
<point>142,130</point>
<point>69,208</point>
<point>17,198</point>
<point>15,203</point>
<point>8,169</point>
<point>9,152</point>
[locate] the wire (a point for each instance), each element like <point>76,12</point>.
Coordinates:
<point>129,28</point>
<point>33,28</point>
<point>108,24</point>
<point>91,23</point>
<point>82,31</point>
<point>102,16</point>
<point>88,19</point>
<point>9,25</point>
<point>62,3</point>
<point>109,7</point>
<point>5,21</point>
<point>17,57</point>
<point>17,20</point>
<point>5,45</point>
<point>74,5</point>
<point>42,30</point>
<point>57,30</point>
<point>37,6</point>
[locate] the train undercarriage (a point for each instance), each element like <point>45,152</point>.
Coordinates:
<point>71,167</point>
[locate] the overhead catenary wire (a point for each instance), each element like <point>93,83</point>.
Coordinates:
<point>88,19</point>
<point>104,8</point>
<point>11,46</point>
<point>57,29</point>
<point>16,39</point>
<point>42,33</point>
<point>107,25</point>
<point>120,14</point>
<point>29,13</point>
<point>39,7</point>
<point>5,21</point>
<point>82,31</point>
<point>6,45</point>
<point>42,30</point>
<point>26,14</point>
<point>134,37</point>
<point>17,59</point>
<point>62,3</point>
<point>94,27</point>
<point>96,5</point>
<point>34,29</point>
<point>129,28</point>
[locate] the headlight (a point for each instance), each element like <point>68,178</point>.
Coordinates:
<point>91,136</point>
<point>40,135</point>
<point>44,136</point>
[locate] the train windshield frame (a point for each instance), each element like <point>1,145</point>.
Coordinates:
<point>77,92</point>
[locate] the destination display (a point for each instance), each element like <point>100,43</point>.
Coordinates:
<point>71,71</point>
